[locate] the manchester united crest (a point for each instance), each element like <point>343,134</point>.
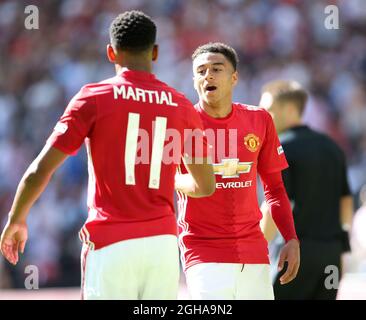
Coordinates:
<point>251,141</point>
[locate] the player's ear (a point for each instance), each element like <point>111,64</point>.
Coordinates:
<point>111,54</point>
<point>234,78</point>
<point>155,52</point>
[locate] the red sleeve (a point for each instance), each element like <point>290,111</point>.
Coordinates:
<point>277,199</point>
<point>271,156</point>
<point>195,140</point>
<point>75,124</point>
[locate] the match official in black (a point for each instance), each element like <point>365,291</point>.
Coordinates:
<point>317,186</point>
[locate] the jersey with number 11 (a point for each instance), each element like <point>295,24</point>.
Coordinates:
<point>134,129</point>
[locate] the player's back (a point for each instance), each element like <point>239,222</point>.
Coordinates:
<point>133,147</point>
<point>316,181</point>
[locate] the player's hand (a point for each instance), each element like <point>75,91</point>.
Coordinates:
<point>290,253</point>
<point>13,240</point>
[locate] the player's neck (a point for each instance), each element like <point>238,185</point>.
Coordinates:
<point>137,66</point>
<point>295,123</point>
<point>217,110</point>
<point>292,124</point>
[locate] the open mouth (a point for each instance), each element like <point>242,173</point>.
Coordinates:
<point>211,88</point>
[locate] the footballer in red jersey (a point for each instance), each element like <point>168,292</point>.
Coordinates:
<point>136,129</point>
<point>223,250</point>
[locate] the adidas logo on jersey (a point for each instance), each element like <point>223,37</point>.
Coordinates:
<point>279,150</point>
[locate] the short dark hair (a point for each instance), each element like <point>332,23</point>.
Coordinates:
<point>287,91</point>
<point>132,31</point>
<point>218,47</point>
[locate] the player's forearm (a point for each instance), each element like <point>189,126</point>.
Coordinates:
<point>280,207</point>
<point>282,215</point>
<point>29,189</point>
<point>35,181</point>
<point>346,212</point>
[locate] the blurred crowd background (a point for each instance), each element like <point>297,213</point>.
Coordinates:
<point>40,70</point>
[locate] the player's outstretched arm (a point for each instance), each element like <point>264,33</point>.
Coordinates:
<point>200,181</point>
<point>32,184</point>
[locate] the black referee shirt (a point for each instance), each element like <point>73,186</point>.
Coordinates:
<point>315,181</point>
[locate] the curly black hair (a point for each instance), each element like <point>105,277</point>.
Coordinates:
<point>218,47</point>
<point>132,31</point>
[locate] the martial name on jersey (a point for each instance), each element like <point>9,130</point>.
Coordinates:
<point>142,95</point>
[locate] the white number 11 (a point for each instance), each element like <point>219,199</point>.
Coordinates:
<point>156,154</point>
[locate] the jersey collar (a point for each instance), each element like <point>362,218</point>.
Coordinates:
<point>137,74</point>
<point>226,119</point>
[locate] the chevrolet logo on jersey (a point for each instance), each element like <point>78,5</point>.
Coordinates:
<point>231,168</point>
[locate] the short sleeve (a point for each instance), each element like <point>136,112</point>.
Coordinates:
<point>75,124</point>
<point>271,156</point>
<point>195,140</point>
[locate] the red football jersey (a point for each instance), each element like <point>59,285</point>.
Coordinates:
<point>134,128</point>
<point>225,226</point>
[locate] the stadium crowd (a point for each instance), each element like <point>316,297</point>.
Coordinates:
<point>41,69</point>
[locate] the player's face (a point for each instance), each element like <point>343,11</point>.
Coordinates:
<point>276,110</point>
<point>214,77</point>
